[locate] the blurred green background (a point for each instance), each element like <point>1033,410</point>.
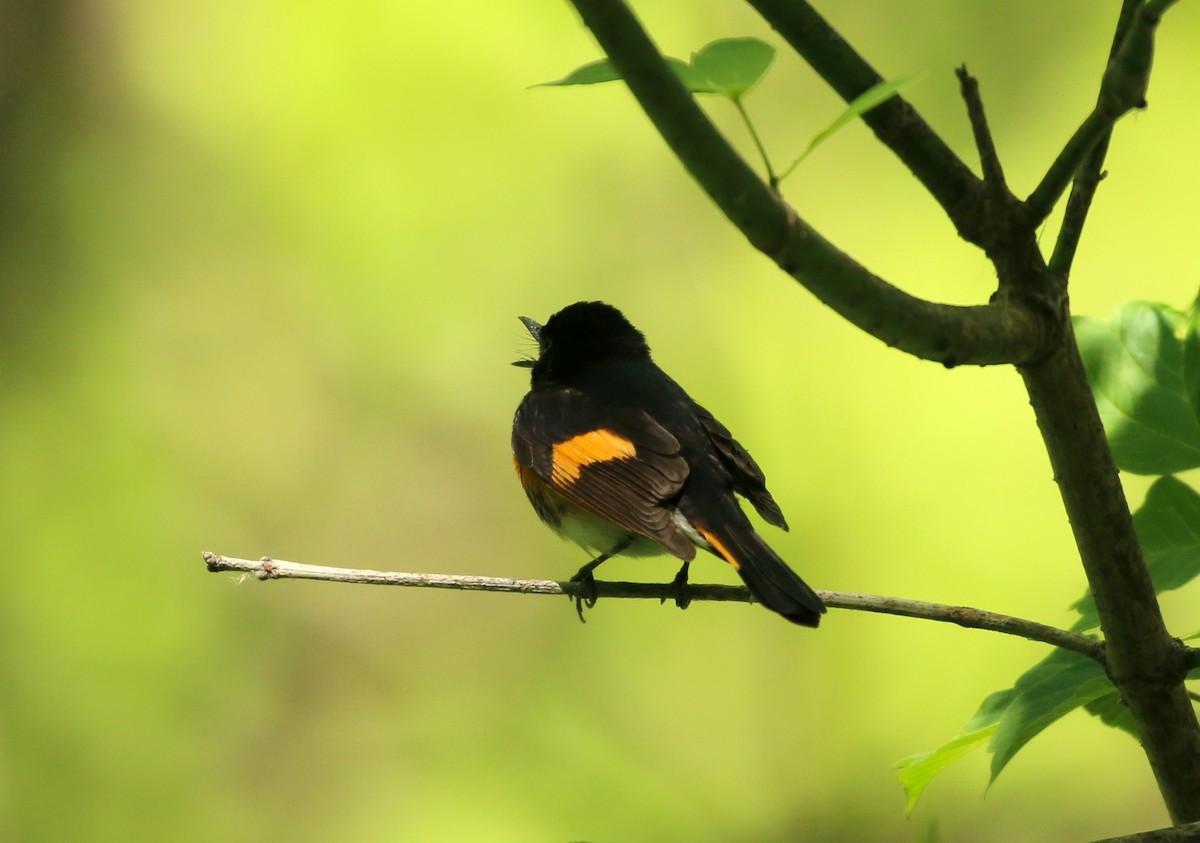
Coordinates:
<point>260,268</point>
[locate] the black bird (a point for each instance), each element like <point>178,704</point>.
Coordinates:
<point>616,456</point>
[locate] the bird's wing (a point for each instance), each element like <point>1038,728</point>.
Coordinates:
<point>618,463</point>
<point>748,479</point>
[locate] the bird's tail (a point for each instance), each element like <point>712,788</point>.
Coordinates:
<point>768,577</point>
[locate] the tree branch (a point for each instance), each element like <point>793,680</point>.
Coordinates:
<point>1007,331</point>
<point>270,569</point>
<point>1174,834</point>
<point>1145,663</point>
<point>1079,203</point>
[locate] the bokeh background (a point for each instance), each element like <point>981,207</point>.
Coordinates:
<point>260,268</point>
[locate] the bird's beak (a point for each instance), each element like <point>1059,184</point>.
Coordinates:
<point>535,331</point>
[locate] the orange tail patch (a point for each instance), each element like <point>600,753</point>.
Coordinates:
<point>720,548</point>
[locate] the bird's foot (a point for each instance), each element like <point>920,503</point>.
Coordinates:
<point>584,591</point>
<point>584,594</point>
<point>680,586</point>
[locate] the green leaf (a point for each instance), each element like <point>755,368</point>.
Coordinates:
<point>732,66</point>
<point>1009,719</point>
<point>1168,528</point>
<point>860,105</point>
<point>1134,363</point>
<point>604,71</point>
<point>1191,361</point>
<point>588,74</point>
<point>692,78</point>
<point>1057,685</point>
<point>917,771</point>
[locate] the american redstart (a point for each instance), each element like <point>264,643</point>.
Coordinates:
<point>614,455</point>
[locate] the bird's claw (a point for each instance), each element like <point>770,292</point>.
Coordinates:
<point>584,592</point>
<point>679,586</point>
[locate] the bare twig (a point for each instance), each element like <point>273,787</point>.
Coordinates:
<point>994,182</point>
<point>271,569</point>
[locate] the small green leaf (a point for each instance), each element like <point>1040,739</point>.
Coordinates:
<point>860,105</point>
<point>588,74</point>
<point>917,771</point>
<point>732,66</point>
<point>604,71</point>
<point>1168,528</point>
<point>1134,364</point>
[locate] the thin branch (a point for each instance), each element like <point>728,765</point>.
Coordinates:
<point>1094,134</point>
<point>895,122</point>
<point>1007,331</point>
<point>1079,203</point>
<point>995,185</point>
<point>965,616</point>
<point>270,569</point>
<point>1122,89</point>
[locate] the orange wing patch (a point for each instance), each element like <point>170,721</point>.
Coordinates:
<point>720,548</point>
<point>600,445</point>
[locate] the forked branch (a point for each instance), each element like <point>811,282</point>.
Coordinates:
<point>1005,331</point>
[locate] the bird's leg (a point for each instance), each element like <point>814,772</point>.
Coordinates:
<point>680,584</point>
<point>585,592</point>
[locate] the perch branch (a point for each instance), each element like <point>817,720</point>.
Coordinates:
<point>271,569</point>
